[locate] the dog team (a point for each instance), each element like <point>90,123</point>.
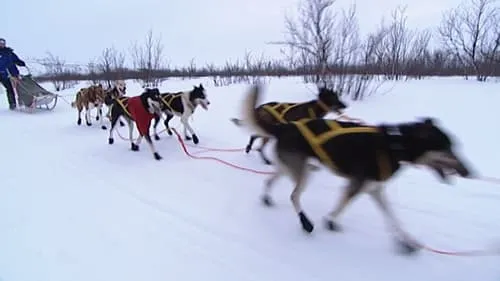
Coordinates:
<point>367,156</point>
<point>140,110</point>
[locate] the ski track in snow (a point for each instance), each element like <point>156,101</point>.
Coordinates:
<point>76,208</point>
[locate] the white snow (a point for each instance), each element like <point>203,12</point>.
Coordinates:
<point>75,208</point>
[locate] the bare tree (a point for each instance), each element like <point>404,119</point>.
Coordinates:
<point>346,52</point>
<point>396,44</point>
<point>372,52</point>
<point>111,64</point>
<point>148,60</point>
<point>93,72</point>
<point>471,32</point>
<point>418,61</point>
<point>59,72</point>
<point>310,35</point>
<point>327,44</point>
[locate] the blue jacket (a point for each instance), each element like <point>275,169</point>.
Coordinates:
<point>8,62</point>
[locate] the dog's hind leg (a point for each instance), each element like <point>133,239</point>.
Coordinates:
<point>167,120</point>
<point>114,119</point>
<point>250,143</point>
<point>406,244</point>
<point>265,140</point>
<point>269,184</point>
<point>294,164</point>
<point>87,115</point>
<point>352,189</point>
<point>157,120</point>
<point>108,115</point>
<point>99,113</point>
<point>187,127</point>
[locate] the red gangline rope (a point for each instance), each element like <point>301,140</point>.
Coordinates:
<point>184,148</point>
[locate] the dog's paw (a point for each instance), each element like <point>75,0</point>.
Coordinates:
<point>267,201</point>
<point>307,225</point>
<point>406,248</point>
<point>134,147</point>
<point>332,225</point>
<point>157,156</point>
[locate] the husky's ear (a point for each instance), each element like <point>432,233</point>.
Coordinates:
<point>428,121</point>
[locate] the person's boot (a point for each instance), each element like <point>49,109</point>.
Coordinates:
<point>12,107</point>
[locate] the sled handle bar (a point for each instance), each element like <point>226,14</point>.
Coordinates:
<point>28,69</point>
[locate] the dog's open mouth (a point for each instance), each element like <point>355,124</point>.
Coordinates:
<point>445,169</point>
<point>445,165</point>
<point>203,104</point>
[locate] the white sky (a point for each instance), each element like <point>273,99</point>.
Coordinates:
<point>206,30</point>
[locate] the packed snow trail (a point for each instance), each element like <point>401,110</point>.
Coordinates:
<point>75,208</point>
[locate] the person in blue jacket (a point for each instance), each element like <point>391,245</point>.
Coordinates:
<point>8,67</point>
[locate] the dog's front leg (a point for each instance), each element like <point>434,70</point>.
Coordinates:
<point>352,189</point>
<point>152,147</point>
<point>185,122</point>
<point>406,244</point>
<point>108,114</point>
<point>133,146</point>
<point>99,115</point>
<point>157,120</point>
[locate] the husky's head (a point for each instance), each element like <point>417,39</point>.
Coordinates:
<point>197,96</point>
<point>426,144</point>
<point>151,98</point>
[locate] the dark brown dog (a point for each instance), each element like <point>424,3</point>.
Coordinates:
<point>367,156</point>
<point>89,98</point>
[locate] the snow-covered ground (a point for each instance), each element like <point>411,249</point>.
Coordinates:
<point>75,208</point>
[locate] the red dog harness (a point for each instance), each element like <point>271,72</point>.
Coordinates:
<point>141,115</point>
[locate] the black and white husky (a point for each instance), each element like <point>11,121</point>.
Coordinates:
<point>182,104</point>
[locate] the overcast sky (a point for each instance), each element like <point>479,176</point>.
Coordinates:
<point>206,30</point>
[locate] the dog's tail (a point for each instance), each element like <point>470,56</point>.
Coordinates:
<point>73,103</point>
<point>251,118</point>
<point>238,122</point>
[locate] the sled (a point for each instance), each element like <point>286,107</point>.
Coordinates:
<point>31,96</point>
